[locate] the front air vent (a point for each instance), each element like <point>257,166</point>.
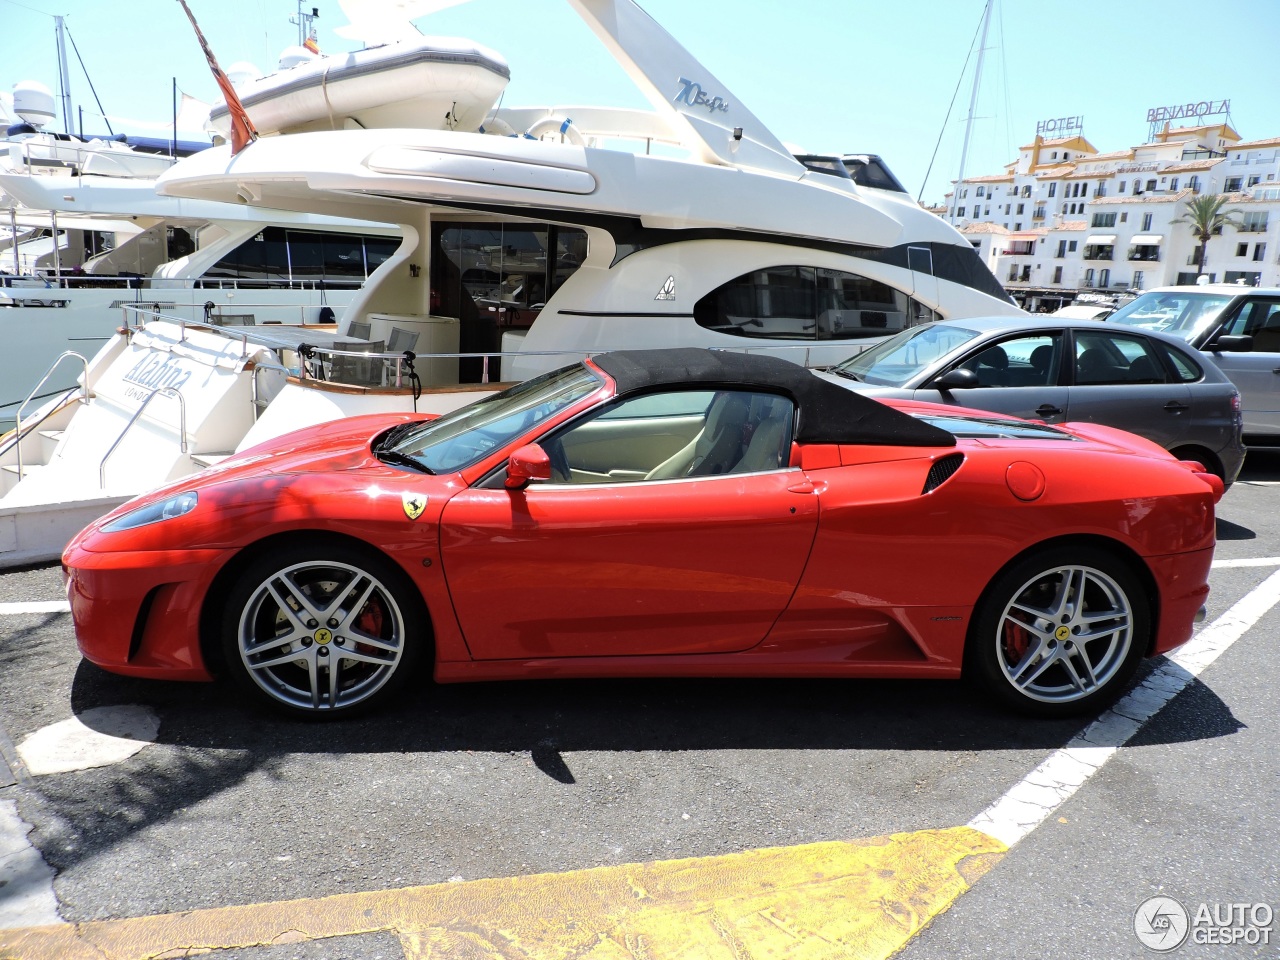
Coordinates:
<point>942,471</point>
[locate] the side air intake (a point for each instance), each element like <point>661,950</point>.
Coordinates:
<point>942,471</point>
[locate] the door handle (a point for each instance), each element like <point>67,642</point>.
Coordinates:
<point>804,486</point>
<point>1276,370</point>
<point>1048,410</point>
<point>1175,406</point>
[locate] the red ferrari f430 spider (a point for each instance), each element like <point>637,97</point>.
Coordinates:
<point>658,513</point>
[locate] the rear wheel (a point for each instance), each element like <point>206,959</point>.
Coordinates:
<point>323,630</point>
<point>1060,632</point>
<point>1203,457</point>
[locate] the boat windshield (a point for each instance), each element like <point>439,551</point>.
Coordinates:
<point>1182,314</point>
<point>459,439</point>
<point>893,362</point>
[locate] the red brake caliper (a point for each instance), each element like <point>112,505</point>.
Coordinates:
<point>369,620</point>
<point>1016,641</point>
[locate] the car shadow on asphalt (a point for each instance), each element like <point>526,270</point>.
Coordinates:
<point>547,716</point>
<point>1261,465</point>
<point>1226,530</point>
<point>218,740</point>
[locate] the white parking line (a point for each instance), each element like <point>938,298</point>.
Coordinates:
<point>34,606</point>
<point>1255,562</point>
<point>1048,786</point>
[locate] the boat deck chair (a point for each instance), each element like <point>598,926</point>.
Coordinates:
<point>357,371</point>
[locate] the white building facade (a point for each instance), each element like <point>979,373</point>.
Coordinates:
<point>1064,222</point>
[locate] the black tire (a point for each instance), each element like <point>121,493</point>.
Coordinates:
<point>1203,456</point>
<point>341,599</point>
<point>1028,645</point>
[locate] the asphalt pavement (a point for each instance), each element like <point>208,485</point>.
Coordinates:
<point>230,806</point>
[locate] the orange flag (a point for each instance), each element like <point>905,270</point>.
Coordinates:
<point>242,131</point>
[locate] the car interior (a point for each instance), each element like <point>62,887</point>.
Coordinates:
<point>671,436</point>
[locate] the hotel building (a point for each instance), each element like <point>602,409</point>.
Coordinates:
<point>1064,222</point>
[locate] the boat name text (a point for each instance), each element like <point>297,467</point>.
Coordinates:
<point>691,93</point>
<point>153,373</point>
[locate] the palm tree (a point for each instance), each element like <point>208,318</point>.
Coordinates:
<point>1206,218</point>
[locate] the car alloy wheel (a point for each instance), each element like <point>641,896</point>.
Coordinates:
<point>1062,633</point>
<point>321,636</point>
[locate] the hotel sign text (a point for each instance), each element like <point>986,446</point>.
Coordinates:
<point>1059,127</point>
<point>1203,108</point>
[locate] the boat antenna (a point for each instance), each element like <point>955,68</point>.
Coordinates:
<point>242,129</point>
<point>973,105</point>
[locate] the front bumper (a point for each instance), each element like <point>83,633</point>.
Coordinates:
<point>137,613</point>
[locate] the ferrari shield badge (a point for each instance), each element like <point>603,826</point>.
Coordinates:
<point>414,504</point>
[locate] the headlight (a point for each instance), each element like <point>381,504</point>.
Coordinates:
<point>177,506</point>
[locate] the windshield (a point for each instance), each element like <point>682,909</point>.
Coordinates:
<point>1184,315</point>
<point>465,436</point>
<point>898,359</point>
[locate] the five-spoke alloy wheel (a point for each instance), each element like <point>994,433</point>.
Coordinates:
<point>322,632</point>
<point>1061,631</point>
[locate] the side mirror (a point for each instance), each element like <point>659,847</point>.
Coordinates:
<point>527,464</point>
<point>957,379</point>
<point>1229,344</point>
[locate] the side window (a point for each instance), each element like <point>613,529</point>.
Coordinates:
<point>1103,358</point>
<point>808,303</point>
<point>1028,361</point>
<point>666,436</point>
<point>1259,319</point>
<point>1187,370</point>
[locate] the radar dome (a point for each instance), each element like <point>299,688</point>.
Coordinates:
<point>292,56</point>
<point>33,102</point>
<point>242,72</point>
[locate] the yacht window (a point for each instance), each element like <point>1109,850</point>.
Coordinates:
<point>808,303</point>
<point>495,278</point>
<point>278,257</point>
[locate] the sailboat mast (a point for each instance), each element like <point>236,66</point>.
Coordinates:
<point>973,105</point>
<point>64,75</point>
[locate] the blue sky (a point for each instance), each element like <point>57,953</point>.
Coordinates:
<point>830,76</point>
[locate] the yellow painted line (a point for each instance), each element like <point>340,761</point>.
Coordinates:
<point>852,900</point>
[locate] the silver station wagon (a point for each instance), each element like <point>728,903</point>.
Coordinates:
<point>1238,327</point>
<point>1057,370</point>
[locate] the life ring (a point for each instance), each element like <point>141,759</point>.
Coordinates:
<point>562,126</point>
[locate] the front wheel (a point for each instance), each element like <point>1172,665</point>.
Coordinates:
<point>1060,632</point>
<point>323,630</point>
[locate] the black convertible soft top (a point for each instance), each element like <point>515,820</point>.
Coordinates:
<point>828,413</point>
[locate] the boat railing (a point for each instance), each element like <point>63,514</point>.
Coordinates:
<point>182,428</point>
<point>84,398</point>
<point>156,287</point>
<point>385,370</point>
<point>58,158</point>
<point>255,392</point>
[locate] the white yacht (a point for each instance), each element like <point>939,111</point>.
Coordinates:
<point>86,233</point>
<point>532,237</point>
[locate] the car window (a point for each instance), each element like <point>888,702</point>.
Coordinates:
<point>898,359</point>
<point>1184,366</point>
<point>1107,358</point>
<point>1183,314</point>
<point>676,434</point>
<point>1027,361</point>
<point>1259,319</point>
